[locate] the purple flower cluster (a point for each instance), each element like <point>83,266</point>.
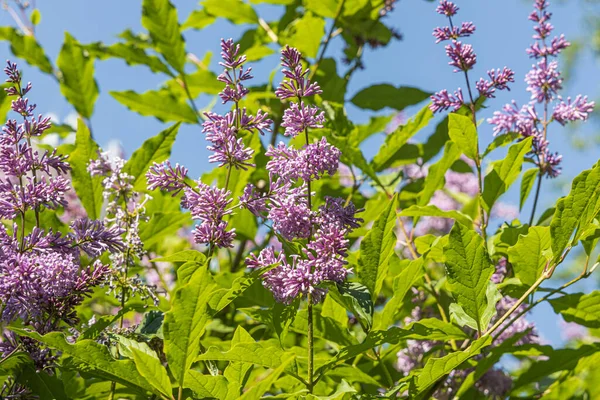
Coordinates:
<point>287,204</point>
<point>463,58</point>
<point>43,275</point>
<point>544,83</point>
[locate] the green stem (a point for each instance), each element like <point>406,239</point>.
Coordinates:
<point>310,335</point>
<point>338,13</point>
<point>386,373</point>
<point>535,200</point>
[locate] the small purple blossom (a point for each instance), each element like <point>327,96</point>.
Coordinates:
<point>94,238</point>
<point>544,81</point>
<point>166,177</point>
<point>299,117</point>
<point>296,82</point>
<point>576,110</point>
<point>453,33</point>
<point>461,56</point>
<point>498,80</point>
<point>446,8</point>
<point>443,100</point>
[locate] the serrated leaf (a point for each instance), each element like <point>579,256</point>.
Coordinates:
<point>206,386</point>
<point>504,173</point>
<point>151,368</point>
<point>234,10</point>
<point>529,256</point>
<point>89,189</point>
<point>266,353</point>
<point>185,323</point>
<point>27,48</point>
<point>305,34</point>
<point>77,84</point>
<point>155,149</point>
<point>383,95</point>
<point>583,309</point>
<point>469,270</point>
<point>394,141</point>
<point>435,179</point>
<point>527,183</point>
<point>376,249</point>
<point>575,211</point>
<point>433,211</point>
<point>501,141</point>
<point>459,315</point>
<point>159,104</point>
<point>436,368</point>
<point>159,17</point>
<point>401,285</point>
<point>463,132</point>
<point>92,358</point>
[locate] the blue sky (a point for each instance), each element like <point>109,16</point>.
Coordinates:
<point>503,33</point>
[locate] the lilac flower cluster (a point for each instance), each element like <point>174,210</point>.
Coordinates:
<point>210,204</point>
<point>463,58</point>
<point>125,210</point>
<point>43,274</point>
<point>544,83</point>
<point>288,202</point>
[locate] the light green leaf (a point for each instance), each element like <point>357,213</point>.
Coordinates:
<point>184,324</point>
<point>151,368</point>
<point>332,309</point>
<point>324,328</point>
<point>206,386</point>
<point>384,95</point>
<point>504,173</point>
<point>235,11</point>
<point>92,358</point>
<point>501,141</point>
<point>463,132</point>
<point>159,17</point>
<point>433,211</point>
<point>258,390</point>
<point>155,149</point>
<point>575,211</point>
<point>183,256</point>
<point>527,183</point>
<point>435,179</point>
<point>342,390</point>
<point>35,17</point>
<point>89,189</point>
<point>531,254</point>
<point>198,19</point>
<point>160,225</point>
<point>324,8</point>
<point>27,48</point>
<point>401,285</point>
<point>436,368</point>
<point>376,249</point>
<point>305,34</point>
<point>131,54</point>
<point>266,353</point>
<point>237,372</point>
<point>469,270</point>
<point>77,84</point>
<point>459,315</point>
<point>394,141</point>
<point>159,104</point>
<point>583,309</point>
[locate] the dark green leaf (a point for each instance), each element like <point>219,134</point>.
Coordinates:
<point>159,104</point>
<point>583,309</point>
<point>527,183</point>
<point>131,54</point>
<point>355,298</point>
<point>384,95</point>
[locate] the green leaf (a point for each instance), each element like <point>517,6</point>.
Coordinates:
<point>305,34</point>
<point>27,48</point>
<point>463,132</point>
<point>93,358</point>
<point>324,8</point>
<point>131,54</point>
<point>159,17</point>
<point>500,141</point>
<point>460,316</point>
<point>43,385</point>
<point>324,328</point>
<point>183,256</point>
<point>527,183</point>
<point>234,10</point>
<point>531,254</point>
<point>198,19</point>
<point>504,173</point>
<point>575,211</point>
<point>258,390</point>
<point>155,149</point>
<point>266,353</point>
<point>185,323</point>
<point>355,298</point>
<point>89,189</point>
<point>435,179</point>
<point>35,17</point>
<point>433,211</point>
<point>436,368</point>
<point>160,104</point>
<point>151,325</point>
<point>401,285</point>
<point>160,225</point>
<point>583,309</point>
<point>283,317</point>
<point>77,84</point>
<point>376,249</point>
<point>469,270</point>
<point>390,150</point>
<point>151,368</point>
<point>206,386</point>
<point>384,95</point>
<point>237,372</point>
